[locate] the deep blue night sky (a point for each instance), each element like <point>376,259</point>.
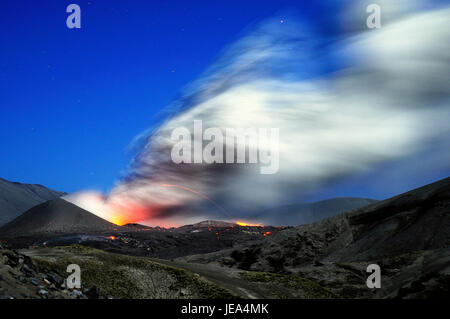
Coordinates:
<point>72,100</point>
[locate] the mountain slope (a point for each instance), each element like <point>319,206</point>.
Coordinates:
<point>413,221</point>
<point>207,224</point>
<point>307,213</point>
<point>16,198</point>
<point>55,216</point>
<point>408,236</point>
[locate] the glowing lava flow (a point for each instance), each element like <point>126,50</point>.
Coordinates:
<point>119,210</point>
<point>246,224</point>
<point>128,212</point>
<point>118,220</point>
<point>201,195</point>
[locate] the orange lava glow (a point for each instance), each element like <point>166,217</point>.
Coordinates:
<point>127,213</point>
<point>112,237</point>
<point>267,234</point>
<point>118,220</point>
<point>247,224</point>
<point>121,209</point>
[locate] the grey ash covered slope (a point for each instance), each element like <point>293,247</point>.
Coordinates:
<point>16,198</point>
<point>53,217</point>
<point>208,223</point>
<point>414,221</point>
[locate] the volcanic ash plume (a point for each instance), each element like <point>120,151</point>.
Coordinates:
<point>344,101</point>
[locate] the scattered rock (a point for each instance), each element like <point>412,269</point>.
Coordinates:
<point>43,293</point>
<point>26,270</point>
<point>92,293</point>
<point>34,281</point>
<point>76,293</point>
<point>55,278</point>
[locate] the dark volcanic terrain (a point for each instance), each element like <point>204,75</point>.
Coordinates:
<point>131,239</point>
<point>408,236</point>
<point>55,217</point>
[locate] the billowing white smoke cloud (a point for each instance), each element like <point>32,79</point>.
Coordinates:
<point>342,106</point>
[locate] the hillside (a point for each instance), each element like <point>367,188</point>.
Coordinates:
<point>40,273</point>
<point>16,198</point>
<point>53,217</point>
<point>407,235</point>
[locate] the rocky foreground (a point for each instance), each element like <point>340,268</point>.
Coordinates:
<point>41,273</point>
<point>22,277</point>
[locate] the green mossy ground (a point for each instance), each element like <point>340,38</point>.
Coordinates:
<point>311,289</point>
<point>121,276</point>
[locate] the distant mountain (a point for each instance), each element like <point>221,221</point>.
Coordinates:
<point>55,216</point>
<point>211,223</point>
<point>307,213</point>
<point>16,198</point>
<point>136,226</point>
